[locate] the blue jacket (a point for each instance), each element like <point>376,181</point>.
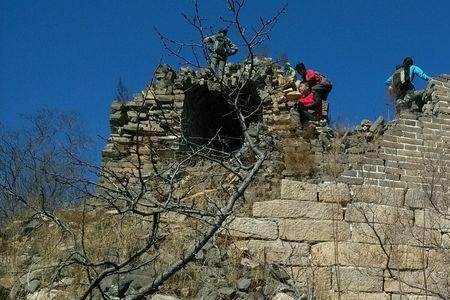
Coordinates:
<point>413,70</point>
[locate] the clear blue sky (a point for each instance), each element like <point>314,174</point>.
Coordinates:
<point>70,55</point>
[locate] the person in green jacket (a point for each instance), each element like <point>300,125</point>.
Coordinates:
<point>290,71</point>
<point>220,47</point>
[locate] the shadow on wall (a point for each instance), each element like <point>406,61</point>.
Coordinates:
<point>209,119</point>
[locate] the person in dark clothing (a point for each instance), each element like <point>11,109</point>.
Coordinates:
<point>401,82</point>
<point>320,85</point>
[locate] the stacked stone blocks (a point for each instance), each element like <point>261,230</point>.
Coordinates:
<point>348,239</point>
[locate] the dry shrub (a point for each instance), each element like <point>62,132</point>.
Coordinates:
<point>298,157</point>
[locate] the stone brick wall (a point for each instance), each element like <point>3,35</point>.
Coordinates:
<point>382,231</point>
<point>342,240</point>
<point>153,120</point>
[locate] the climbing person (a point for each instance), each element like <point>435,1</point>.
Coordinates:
<point>307,108</point>
<point>400,83</point>
<point>289,70</point>
<point>220,47</point>
<point>319,84</point>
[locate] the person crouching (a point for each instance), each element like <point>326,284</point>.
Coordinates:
<point>307,108</point>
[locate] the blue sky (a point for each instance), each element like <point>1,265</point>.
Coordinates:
<point>69,55</point>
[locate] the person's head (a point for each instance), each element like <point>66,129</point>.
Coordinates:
<point>224,31</point>
<point>304,88</point>
<point>288,64</point>
<point>301,69</point>
<point>407,62</point>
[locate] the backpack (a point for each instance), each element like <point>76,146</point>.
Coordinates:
<point>400,79</point>
<point>324,80</point>
<point>221,45</point>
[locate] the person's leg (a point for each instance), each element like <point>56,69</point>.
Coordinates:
<point>213,64</point>
<point>321,91</point>
<point>222,63</point>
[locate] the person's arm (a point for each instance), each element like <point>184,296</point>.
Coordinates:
<point>311,77</point>
<point>418,71</point>
<point>233,47</point>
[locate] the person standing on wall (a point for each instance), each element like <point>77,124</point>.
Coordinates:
<point>220,47</point>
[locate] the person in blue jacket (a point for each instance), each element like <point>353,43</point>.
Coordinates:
<point>401,81</point>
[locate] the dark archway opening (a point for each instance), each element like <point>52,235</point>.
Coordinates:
<point>209,119</point>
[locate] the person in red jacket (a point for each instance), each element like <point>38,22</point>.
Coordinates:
<point>307,108</point>
<point>320,85</point>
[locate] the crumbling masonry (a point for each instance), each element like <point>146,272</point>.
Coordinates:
<point>377,227</point>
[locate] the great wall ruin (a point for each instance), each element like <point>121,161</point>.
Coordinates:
<point>377,226</point>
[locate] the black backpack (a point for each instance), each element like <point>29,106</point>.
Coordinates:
<point>401,79</point>
<point>221,45</point>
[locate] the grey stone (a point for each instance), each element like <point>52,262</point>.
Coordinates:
<point>163,297</point>
<point>243,284</point>
<point>227,292</point>
<point>375,127</point>
<point>32,285</point>
<point>200,255</point>
<point>282,296</point>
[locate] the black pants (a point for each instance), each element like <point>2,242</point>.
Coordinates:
<point>321,91</point>
<point>403,90</point>
<point>300,117</point>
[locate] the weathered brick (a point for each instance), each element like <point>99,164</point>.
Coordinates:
<point>357,279</point>
<point>298,190</point>
<point>432,219</point>
<point>395,234</point>
<point>374,175</point>
<point>410,153</point>
<point>416,198</point>
<point>332,295</point>
<point>279,252</point>
<point>334,192</point>
<point>314,230</point>
<point>297,209</point>
<point>348,254</point>
<point>379,195</point>
<point>253,228</point>
<point>390,138</point>
<point>404,296</point>
<point>405,128</point>
<point>351,180</point>
<point>376,213</point>
<point>413,282</point>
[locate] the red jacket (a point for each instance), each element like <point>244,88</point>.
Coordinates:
<point>308,100</point>
<point>313,78</point>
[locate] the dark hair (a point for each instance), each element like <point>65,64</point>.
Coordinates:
<point>224,31</point>
<point>408,61</point>
<point>300,67</point>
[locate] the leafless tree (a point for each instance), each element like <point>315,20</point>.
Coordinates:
<point>127,221</point>
<point>30,153</point>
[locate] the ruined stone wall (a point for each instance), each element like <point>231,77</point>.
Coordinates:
<point>154,120</point>
<point>377,228</point>
<point>382,231</point>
